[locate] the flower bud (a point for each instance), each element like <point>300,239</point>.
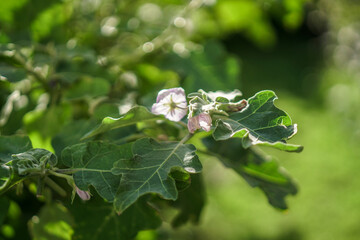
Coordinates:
<point>193,124</point>
<point>203,120</point>
<point>84,195</point>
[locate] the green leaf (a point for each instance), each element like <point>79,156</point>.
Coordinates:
<point>258,170</point>
<point>98,220</point>
<point>11,145</point>
<point>261,123</point>
<point>71,134</point>
<point>133,116</point>
<point>53,222</point>
<point>211,69</point>
<point>124,173</point>
<point>148,170</point>
<point>4,206</point>
<point>12,74</point>
<point>34,160</point>
<point>47,20</point>
<point>190,202</point>
<point>93,162</point>
<point>88,87</point>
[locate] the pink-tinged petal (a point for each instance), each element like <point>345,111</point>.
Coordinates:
<point>84,195</point>
<point>160,108</point>
<point>176,114</point>
<point>165,92</point>
<point>193,124</point>
<point>205,121</point>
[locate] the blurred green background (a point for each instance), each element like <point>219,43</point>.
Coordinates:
<point>308,52</point>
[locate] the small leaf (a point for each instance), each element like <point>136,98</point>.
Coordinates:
<point>11,145</point>
<point>33,160</point>
<point>148,170</point>
<point>258,170</point>
<point>133,116</point>
<point>261,123</point>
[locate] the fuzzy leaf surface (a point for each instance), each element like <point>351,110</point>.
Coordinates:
<point>33,160</point>
<point>261,123</point>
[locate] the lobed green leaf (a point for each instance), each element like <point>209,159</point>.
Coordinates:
<point>261,123</point>
<point>92,163</point>
<point>148,170</point>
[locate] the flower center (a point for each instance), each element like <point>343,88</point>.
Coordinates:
<point>173,105</point>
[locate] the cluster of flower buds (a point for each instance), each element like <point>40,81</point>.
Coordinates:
<point>202,106</point>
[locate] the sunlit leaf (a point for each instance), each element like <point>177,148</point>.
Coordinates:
<point>261,123</point>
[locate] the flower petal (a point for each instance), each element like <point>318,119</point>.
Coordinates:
<point>160,108</point>
<point>176,114</point>
<point>165,92</point>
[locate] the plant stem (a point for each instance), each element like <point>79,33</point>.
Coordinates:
<point>55,187</point>
<point>68,177</point>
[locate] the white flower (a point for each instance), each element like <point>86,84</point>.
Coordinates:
<point>203,120</point>
<point>171,103</point>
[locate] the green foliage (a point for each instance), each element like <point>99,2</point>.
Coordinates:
<point>53,222</point>
<point>103,222</point>
<point>148,169</point>
<point>77,80</point>
<point>261,123</point>
<point>135,115</point>
<point>11,145</point>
